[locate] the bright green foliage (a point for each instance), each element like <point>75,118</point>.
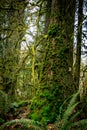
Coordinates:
<point>44,106</point>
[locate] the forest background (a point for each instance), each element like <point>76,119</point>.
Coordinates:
<point>43,59</point>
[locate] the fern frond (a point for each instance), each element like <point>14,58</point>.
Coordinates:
<point>26,123</point>
<point>73,100</point>
<point>73,117</point>
<point>66,116</point>
<point>59,117</point>
<point>69,123</point>
<point>69,110</point>
<point>81,123</point>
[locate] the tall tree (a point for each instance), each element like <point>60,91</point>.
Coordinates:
<point>59,55</point>
<point>57,78</point>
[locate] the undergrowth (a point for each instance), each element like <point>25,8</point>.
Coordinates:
<point>4,103</point>
<point>24,123</point>
<point>67,120</point>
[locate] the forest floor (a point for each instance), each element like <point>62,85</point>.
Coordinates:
<point>21,113</point>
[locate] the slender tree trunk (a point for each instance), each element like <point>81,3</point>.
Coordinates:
<point>78,47</point>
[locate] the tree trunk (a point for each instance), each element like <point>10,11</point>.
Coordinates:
<point>58,62</point>
<point>78,47</point>
<point>47,15</point>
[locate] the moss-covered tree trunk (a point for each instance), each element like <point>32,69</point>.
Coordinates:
<point>58,61</point>
<point>57,72</point>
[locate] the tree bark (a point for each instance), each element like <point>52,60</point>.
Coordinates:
<point>58,66</point>
<point>78,47</point>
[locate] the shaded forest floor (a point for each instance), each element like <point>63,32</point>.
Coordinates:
<point>20,113</point>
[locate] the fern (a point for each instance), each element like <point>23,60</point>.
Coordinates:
<point>61,110</point>
<point>66,117</point>
<point>73,117</point>
<point>80,123</point>
<point>73,100</point>
<point>66,122</point>
<point>25,123</point>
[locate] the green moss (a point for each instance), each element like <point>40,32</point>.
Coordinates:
<point>36,116</point>
<point>46,109</point>
<point>53,30</point>
<point>45,105</point>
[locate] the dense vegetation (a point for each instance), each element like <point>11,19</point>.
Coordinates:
<point>43,70</point>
